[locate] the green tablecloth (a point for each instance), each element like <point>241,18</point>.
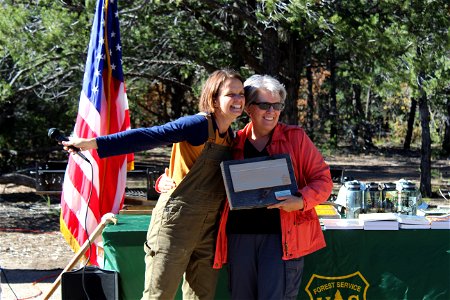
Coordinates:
<point>356,264</point>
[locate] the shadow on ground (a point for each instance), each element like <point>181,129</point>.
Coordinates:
<point>13,276</point>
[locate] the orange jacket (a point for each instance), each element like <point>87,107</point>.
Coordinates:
<point>301,231</point>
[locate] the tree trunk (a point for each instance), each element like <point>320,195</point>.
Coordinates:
<point>357,99</point>
<point>18,179</point>
<point>425,153</point>
<point>270,52</point>
<point>358,111</point>
<point>284,61</point>
<point>310,111</point>
<point>446,141</point>
<point>292,62</point>
<point>409,131</point>
<point>368,114</point>
<point>333,100</point>
<point>178,96</point>
<point>367,122</point>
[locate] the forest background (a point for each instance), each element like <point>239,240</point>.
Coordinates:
<point>361,75</point>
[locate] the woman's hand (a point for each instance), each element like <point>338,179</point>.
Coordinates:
<point>80,143</point>
<point>165,183</point>
<point>288,203</point>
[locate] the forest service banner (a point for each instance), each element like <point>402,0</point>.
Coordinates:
<point>91,191</point>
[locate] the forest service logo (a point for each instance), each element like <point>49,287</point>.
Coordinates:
<point>348,287</point>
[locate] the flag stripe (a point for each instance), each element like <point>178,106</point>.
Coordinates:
<point>88,114</point>
<point>77,203</point>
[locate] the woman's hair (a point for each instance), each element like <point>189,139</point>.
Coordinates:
<point>257,82</point>
<point>211,88</point>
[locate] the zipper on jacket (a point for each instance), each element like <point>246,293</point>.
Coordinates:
<point>285,249</point>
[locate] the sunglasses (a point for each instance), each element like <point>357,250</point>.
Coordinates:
<point>267,105</point>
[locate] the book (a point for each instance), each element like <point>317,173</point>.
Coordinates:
<point>379,221</point>
<point>439,222</point>
<point>412,220</point>
<point>414,226</point>
<point>327,211</point>
<point>381,225</point>
<point>378,217</point>
<point>342,224</point>
<point>433,211</point>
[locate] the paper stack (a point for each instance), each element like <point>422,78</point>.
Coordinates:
<point>379,221</point>
<point>439,222</point>
<point>342,224</point>
<point>433,211</point>
<point>413,222</point>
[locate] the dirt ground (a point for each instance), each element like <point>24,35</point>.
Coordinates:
<point>33,252</point>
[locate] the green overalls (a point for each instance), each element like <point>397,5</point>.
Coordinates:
<point>183,228</point>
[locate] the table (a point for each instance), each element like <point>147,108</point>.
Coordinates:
<point>356,264</point>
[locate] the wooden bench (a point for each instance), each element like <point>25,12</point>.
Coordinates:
<point>49,177</point>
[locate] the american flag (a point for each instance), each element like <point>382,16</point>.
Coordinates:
<point>103,109</point>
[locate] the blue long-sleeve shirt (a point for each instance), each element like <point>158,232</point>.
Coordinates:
<point>191,129</point>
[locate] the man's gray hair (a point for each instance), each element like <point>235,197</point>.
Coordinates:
<point>257,82</point>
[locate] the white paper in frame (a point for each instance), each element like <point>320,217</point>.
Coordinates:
<point>257,182</point>
<point>258,175</point>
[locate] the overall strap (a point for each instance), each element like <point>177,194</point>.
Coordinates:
<point>211,132</point>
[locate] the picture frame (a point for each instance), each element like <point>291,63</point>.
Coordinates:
<point>256,182</point>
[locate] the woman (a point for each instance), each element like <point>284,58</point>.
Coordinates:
<point>183,226</point>
<point>265,247</point>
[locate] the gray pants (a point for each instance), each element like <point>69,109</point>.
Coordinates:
<point>256,270</point>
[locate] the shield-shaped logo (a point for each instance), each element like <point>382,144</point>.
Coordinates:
<point>349,287</point>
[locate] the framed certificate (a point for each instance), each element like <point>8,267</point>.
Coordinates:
<point>256,182</point>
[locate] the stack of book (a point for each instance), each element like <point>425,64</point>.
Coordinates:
<point>439,211</point>
<point>379,221</point>
<point>340,224</point>
<point>413,222</point>
<point>439,222</point>
<point>439,218</point>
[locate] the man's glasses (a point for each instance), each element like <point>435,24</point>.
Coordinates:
<point>267,105</point>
